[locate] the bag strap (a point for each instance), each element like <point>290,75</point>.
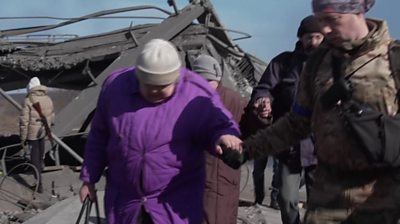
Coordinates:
<point>315,60</point>
<point>36,108</point>
<point>35,105</point>
<point>86,208</point>
<point>394,63</point>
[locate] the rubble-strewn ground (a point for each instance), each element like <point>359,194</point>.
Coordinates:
<point>256,214</point>
<point>64,183</point>
<point>19,201</point>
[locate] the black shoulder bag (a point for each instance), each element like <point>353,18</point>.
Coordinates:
<point>378,133</point>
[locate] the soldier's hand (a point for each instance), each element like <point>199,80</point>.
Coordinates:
<point>263,107</point>
<point>234,158</point>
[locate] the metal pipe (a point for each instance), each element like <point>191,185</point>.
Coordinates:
<point>74,18</point>
<point>223,45</point>
<point>20,31</point>
<point>245,35</point>
<point>173,4</point>
<point>67,148</point>
<point>10,99</point>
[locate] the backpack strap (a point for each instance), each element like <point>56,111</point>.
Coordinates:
<point>394,63</point>
<point>314,61</point>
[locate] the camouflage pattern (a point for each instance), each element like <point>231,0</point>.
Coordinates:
<point>342,6</point>
<point>347,186</point>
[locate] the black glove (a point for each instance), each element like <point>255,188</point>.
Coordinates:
<point>233,158</point>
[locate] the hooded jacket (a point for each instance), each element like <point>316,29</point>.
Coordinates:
<point>279,83</point>
<point>30,123</point>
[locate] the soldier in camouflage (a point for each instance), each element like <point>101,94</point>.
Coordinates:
<point>348,188</point>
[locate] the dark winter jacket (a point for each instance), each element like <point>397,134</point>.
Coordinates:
<point>279,83</point>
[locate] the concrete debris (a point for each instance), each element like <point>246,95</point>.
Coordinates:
<point>256,214</point>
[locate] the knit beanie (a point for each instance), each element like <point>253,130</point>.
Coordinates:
<point>309,24</point>
<point>33,82</point>
<point>208,67</point>
<point>158,63</point>
<point>342,6</point>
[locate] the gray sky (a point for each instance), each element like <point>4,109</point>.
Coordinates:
<point>271,23</point>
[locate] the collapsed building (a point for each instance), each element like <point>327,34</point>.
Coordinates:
<point>83,63</point>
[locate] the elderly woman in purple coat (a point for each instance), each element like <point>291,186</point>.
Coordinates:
<point>149,129</point>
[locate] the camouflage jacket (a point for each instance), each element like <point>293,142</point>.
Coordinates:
<point>345,169</point>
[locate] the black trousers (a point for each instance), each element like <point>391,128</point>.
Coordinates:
<point>37,152</point>
<point>258,179</point>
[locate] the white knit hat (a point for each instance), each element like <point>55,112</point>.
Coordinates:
<point>158,63</point>
<point>33,83</point>
<point>208,67</point>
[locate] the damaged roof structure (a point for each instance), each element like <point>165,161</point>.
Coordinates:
<point>82,63</point>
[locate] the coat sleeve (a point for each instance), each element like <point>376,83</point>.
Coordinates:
<point>214,121</point>
<point>95,149</point>
<point>289,129</point>
<point>24,120</point>
<point>251,122</point>
<point>270,78</point>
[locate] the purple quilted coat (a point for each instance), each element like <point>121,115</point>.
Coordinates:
<point>153,152</point>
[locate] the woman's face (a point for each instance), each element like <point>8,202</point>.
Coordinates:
<point>156,94</point>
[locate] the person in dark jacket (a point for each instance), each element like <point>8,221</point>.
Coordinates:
<point>273,97</point>
<point>250,123</point>
<point>221,195</point>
